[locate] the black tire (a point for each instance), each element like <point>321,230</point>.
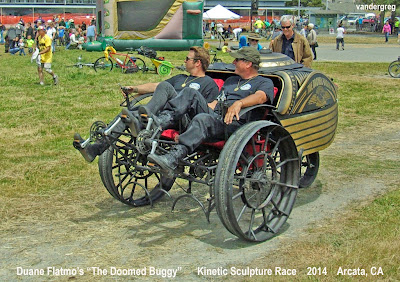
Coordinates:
<point>102,64</point>
<point>309,169</point>
<point>125,181</point>
<point>121,176</point>
<point>256,180</point>
<point>394,69</point>
<point>139,65</point>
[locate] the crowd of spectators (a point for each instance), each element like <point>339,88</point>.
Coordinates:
<point>62,32</point>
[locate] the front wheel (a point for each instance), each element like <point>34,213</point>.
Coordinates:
<point>123,174</point>
<point>256,180</point>
<point>394,69</point>
<point>102,64</point>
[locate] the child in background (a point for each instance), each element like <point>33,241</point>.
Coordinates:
<point>29,43</point>
<point>21,46</point>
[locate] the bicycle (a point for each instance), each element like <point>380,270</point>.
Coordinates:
<point>394,68</point>
<point>128,64</point>
<point>162,67</point>
<point>80,64</point>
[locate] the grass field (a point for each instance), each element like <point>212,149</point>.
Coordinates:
<point>44,179</point>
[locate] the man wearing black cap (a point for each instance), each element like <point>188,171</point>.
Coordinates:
<point>208,122</point>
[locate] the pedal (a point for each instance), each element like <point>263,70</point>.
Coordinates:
<point>144,118</point>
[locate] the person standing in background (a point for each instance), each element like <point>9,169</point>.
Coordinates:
<point>2,29</point>
<point>387,31</point>
<point>312,39</point>
<point>340,36</point>
<point>91,32</point>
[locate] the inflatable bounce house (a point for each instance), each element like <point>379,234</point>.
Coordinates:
<point>160,25</point>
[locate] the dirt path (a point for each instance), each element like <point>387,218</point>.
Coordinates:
<point>96,231</point>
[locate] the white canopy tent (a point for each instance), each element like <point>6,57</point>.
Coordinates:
<point>219,12</point>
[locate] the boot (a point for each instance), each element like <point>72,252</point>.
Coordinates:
<point>163,120</point>
<point>130,120</point>
<point>90,152</point>
<point>169,161</point>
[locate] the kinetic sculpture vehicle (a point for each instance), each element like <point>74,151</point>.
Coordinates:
<point>254,175</point>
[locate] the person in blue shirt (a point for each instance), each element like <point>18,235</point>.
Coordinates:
<point>253,40</point>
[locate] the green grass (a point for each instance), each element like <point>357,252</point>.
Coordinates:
<point>41,173</point>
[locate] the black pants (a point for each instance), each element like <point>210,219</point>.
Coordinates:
<point>164,92</point>
<point>206,124</point>
<point>338,41</point>
<point>313,50</point>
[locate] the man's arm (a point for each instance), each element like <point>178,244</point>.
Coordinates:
<point>260,97</point>
<point>47,49</point>
<point>142,89</point>
<point>307,57</point>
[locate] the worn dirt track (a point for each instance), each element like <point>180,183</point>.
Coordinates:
<point>93,230</point>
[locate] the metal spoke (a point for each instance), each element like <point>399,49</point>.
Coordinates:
<point>251,223</point>
<point>241,213</point>
<point>237,195</point>
<point>277,208</point>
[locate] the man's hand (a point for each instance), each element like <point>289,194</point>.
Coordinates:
<point>212,104</point>
<point>233,111</point>
<point>126,90</point>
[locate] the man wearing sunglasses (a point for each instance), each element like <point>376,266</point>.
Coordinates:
<point>292,43</point>
<point>213,121</point>
<point>196,62</point>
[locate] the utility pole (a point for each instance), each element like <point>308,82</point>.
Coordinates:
<point>253,11</point>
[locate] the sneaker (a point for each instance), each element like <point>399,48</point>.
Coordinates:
<point>55,79</point>
<point>86,152</point>
<point>41,83</point>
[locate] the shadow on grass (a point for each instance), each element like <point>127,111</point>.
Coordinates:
<point>159,226</point>
<point>308,195</point>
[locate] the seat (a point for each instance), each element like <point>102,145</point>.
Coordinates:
<point>171,134</point>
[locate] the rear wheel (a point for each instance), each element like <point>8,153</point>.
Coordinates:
<point>137,65</point>
<point>394,69</point>
<point>102,64</point>
<point>309,169</point>
<point>256,180</point>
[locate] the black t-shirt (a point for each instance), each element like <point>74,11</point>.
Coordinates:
<point>205,85</point>
<point>236,88</point>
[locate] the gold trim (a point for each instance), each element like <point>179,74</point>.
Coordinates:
<point>306,117</point>
<point>311,130</point>
<point>305,93</point>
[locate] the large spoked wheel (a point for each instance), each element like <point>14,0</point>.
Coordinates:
<point>121,172</point>
<point>309,169</point>
<point>138,65</point>
<point>256,180</point>
<point>394,69</point>
<point>102,64</point>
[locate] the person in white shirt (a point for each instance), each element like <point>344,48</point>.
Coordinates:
<point>237,32</point>
<point>51,32</point>
<point>73,41</point>
<point>340,36</point>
